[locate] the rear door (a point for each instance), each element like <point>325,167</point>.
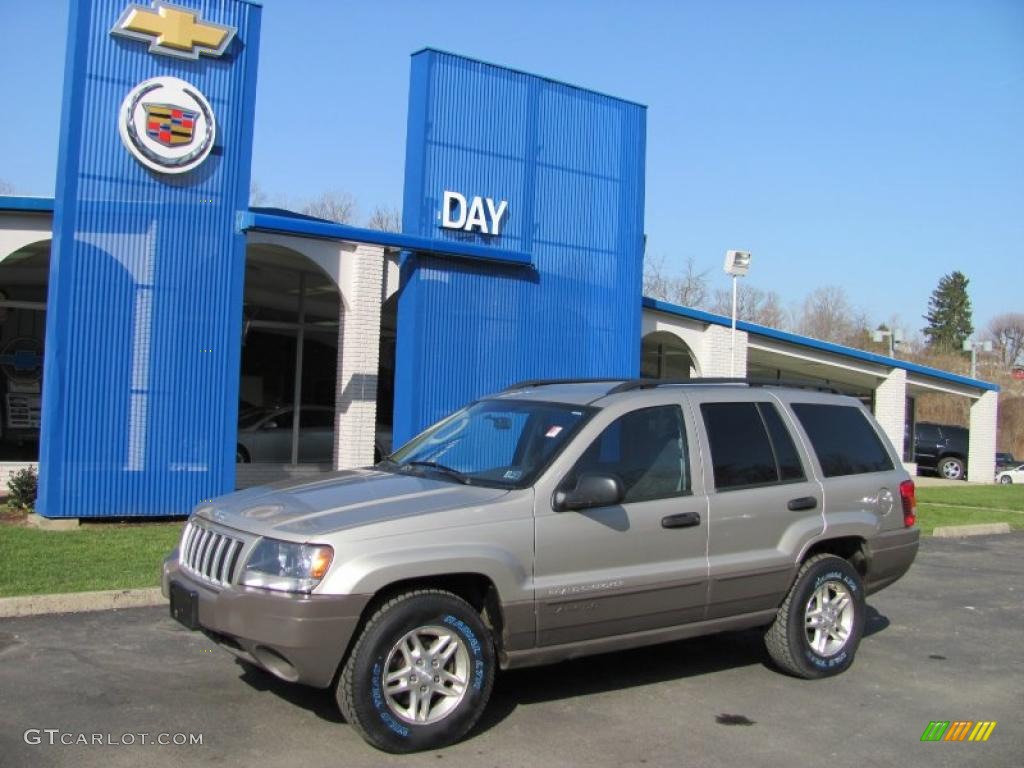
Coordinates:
<point>765,505</point>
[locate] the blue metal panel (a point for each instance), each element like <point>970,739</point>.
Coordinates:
<point>570,163</point>
<point>811,343</point>
<point>27,204</point>
<point>140,388</point>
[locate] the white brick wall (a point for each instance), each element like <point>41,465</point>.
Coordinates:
<point>891,406</point>
<point>981,457</point>
<point>716,352</point>
<point>358,352</point>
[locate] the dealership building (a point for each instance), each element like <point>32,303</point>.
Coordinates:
<point>162,342</point>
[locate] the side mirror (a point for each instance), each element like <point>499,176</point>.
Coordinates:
<point>269,425</point>
<point>592,490</point>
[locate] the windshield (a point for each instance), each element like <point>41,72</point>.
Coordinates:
<point>493,442</point>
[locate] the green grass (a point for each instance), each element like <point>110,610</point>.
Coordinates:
<point>969,504</point>
<point>94,556</point>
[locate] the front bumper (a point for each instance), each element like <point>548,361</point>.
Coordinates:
<point>298,638</point>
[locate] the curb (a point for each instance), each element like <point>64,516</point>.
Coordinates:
<point>79,602</point>
<point>960,531</point>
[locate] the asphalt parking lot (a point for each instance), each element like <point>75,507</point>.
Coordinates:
<point>943,644</point>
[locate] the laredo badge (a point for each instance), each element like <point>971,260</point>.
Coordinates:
<point>167,124</point>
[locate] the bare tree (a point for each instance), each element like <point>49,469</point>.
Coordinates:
<point>827,314</point>
<point>6,188</point>
<point>689,289</point>
<point>333,206</point>
<point>257,196</point>
<point>385,219</point>
<point>752,305</point>
<point>1006,332</point>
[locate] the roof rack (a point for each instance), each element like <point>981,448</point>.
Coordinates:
<point>634,384</point>
<point>630,385</point>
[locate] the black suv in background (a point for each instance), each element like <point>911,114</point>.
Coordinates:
<point>941,448</point>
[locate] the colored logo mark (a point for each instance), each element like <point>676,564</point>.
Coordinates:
<point>169,124</point>
<point>172,30</point>
<point>958,730</point>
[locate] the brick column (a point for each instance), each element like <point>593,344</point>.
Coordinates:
<point>981,452</point>
<point>717,357</point>
<point>891,407</point>
<point>358,349</point>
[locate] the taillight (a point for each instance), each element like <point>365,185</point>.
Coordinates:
<point>909,501</point>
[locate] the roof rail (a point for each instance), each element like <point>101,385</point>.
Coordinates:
<point>551,382</point>
<point>629,385</point>
<point>634,384</point>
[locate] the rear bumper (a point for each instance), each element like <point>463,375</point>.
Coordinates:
<point>298,638</point>
<point>892,554</point>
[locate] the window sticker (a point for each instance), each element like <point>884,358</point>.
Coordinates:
<point>553,431</point>
<point>513,474</point>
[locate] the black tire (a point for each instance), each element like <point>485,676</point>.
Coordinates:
<point>787,638</point>
<point>1006,480</point>
<point>241,455</point>
<point>951,468</point>
<point>360,690</point>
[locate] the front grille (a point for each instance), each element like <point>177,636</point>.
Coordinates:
<point>209,554</point>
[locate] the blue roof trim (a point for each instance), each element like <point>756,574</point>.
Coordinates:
<point>29,204</point>
<point>305,226</point>
<point>823,346</point>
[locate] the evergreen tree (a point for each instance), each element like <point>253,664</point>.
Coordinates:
<point>949,314</point>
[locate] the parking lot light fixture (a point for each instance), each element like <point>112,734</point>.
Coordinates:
<point>737,264</point>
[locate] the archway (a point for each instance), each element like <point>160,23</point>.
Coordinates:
<point>663,355</point>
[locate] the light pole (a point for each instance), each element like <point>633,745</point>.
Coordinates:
<point>973,347</point>
<point>895,339</point>
<point>737,264</point>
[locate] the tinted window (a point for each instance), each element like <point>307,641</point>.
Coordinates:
<point>845,442</point>
<point>786,457</point>
<point>646,449</point>
<point>749,445</point>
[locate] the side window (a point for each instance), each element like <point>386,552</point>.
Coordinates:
<point>646,449</point>
<point>845,442</point>
<point>750,445</point>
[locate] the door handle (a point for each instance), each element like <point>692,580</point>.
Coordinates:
<point>805,502</point>
<point>682,520</point>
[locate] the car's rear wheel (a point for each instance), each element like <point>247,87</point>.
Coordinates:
<point>819,625</point>
<point>951,468</point>
<point>1006,480</point>
<point>241,455</point>
<point>420,673</point>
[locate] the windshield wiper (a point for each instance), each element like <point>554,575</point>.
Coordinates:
<point>440,468</point>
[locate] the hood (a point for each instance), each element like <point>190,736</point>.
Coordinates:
<point>305,510</point>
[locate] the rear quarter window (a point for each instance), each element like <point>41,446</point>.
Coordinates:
<point>846,443</point>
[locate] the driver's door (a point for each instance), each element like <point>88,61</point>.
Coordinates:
<point>635,566</point>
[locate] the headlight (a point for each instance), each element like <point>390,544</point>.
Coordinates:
<point>287,567</point>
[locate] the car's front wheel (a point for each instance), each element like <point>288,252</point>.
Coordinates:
<point>1006,480</point>
<point>819,625</point>
<point>420,673</point>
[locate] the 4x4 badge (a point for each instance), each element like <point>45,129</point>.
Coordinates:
<point>172,30</point>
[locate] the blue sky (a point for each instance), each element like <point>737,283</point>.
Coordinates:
<point>868,144</point>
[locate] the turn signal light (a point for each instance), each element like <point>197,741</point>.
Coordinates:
<point>909,500</point>
<point>322,557</point>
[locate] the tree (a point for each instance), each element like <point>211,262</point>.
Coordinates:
<point>333,206</point>
<point>828,314</point>
<point>690,289</point>
<point>752,305</point>
<point>385,219</point>
<point>1007,334</point>
<point>6,188</point>
<point>257,196</point>
<point>949,314</point>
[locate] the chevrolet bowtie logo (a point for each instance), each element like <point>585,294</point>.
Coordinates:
<point>173,31</point>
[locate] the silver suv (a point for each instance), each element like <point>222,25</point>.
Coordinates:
<point>550,521</point>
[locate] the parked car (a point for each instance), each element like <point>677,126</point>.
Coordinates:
<point>265,434</point>
<point>1005,461</point>
<point>547,522</point>
<point>1011,476</point>
<point>942,449</point>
